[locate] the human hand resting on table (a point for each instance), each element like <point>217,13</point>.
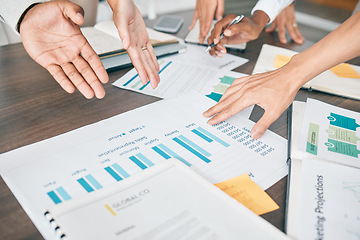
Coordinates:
<point>248,29</point>
<point>273,91</point>
<point>135,38</point>
<point>286,20</point>
<point>51,35</point>
<point>205,11</point>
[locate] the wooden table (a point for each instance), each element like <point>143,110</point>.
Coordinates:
<point>33,107</point>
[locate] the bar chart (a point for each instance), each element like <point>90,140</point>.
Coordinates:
<point>197,145</point>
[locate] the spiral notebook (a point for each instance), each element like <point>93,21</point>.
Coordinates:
<point>166,201</point>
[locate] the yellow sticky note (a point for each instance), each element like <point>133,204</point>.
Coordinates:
<point>281,60</point>
<point>344,70</point>
<point>245,191</point>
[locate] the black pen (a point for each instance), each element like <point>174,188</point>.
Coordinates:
<point>235,21</point>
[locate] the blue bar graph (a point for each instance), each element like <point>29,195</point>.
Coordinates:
<point>131,79</point>
<point>213,137</point>
<point>203,136</point>
<point>192,150</point>
<point>85,185</point>
<point>142,88</point>
<point>120,170</point>
<point>93,181</point>
<point>193,145</point>
<point>173,154</point>
<point>63,193</point>
<point>145,159</point>
<point>138,162</point>
<point>54,197</point>
<point>161,152</point>
<point>113,174</point>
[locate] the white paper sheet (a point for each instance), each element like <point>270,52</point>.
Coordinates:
<point>330,133</point>
<point>195,55</point>
<point>178,77</point>
<point>71,164</point>
<point>155,205</point>
<point>330,201</point>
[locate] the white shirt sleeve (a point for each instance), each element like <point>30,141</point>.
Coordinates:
<point>11,10</point>
<point>271,7</point>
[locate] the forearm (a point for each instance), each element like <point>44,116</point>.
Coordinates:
<point>339,46</point>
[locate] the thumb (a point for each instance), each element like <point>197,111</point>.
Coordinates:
<point>271,28</point>
<point>262,125</point>
<point>73,11</point>
<point>124,32</point>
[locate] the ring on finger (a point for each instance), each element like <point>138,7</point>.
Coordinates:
<point>144,48</point>
<point>294,25</point>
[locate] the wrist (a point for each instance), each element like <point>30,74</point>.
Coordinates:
<point>23,16</point>
<point>260,18</point>
<point>301,71</point>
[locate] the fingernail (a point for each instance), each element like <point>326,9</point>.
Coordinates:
<point>222,51</point>
<point>211,122</point>
<point>255,134</point>
<point>216,41</point>
<point>227,32</point>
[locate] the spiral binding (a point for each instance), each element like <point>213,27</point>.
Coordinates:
<point>57,228</point>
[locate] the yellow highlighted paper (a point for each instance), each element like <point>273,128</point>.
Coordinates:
<point>281,60</point>
<point>344,70</point>
<point>245,191</point>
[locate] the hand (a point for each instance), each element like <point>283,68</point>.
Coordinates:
<point>286,19</point>
<point>205,11</point>
<point>273,91</point>
<point>52,37</point>
<point>248,29</point>
<point>135,38</point>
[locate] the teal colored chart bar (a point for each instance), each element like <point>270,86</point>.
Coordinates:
<point>113,174</point>
<point>63,193</point>
<point>215,96</point>
<point>142,88</point>
<point>138,162</point>
<point>120,170</point>
<point>190,149</point>
<point>195,146</point>
<point>93,181</point>
<point>173,154</point>
<point>203,136</point>
<point>54,197</point>
<point>161,152</point>
<point>131,79</point>
<point>213,137</point>
<point>145,159</point>
<point>85,185</point>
